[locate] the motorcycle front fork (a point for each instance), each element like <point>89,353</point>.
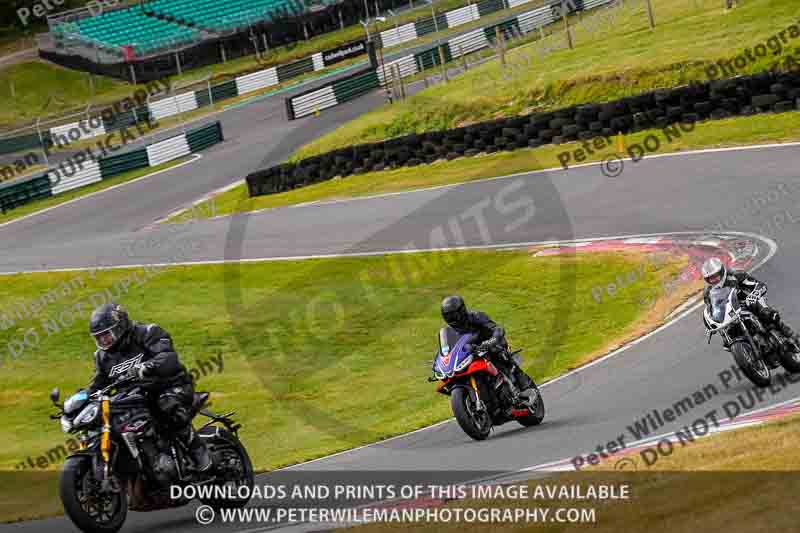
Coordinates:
<point>479,405</point>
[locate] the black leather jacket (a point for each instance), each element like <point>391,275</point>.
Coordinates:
<point>143,344</point>
<point>486,328</point>
<point>744,284</point>
<point>740,279</point>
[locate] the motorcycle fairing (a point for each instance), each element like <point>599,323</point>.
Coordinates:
<point>453,350</point>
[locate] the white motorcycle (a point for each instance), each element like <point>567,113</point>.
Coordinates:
<point>755,348</point>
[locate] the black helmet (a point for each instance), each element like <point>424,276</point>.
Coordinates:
<point>109,325</point>
<point>454,311</point>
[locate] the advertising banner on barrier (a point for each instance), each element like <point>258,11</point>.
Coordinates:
<point>346,51</point>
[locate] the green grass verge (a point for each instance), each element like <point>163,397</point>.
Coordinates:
<point>309,334</point>
<point>53,201</point>
<point>615,55</point>
<point>729,132</point>
<point>36,89</point>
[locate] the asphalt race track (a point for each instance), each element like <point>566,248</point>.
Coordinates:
<point>689,192</point>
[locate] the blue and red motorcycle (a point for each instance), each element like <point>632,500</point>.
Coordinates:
<point>481,394</point>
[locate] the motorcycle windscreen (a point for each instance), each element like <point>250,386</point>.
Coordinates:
<point>452,349</point>
<point>719,302</point>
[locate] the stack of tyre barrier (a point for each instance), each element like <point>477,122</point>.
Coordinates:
<point>743,95</point>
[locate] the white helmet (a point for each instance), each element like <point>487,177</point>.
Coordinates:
<point>714,272</point>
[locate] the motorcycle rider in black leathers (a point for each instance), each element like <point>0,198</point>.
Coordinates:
<point>716,274</point>
<point>130,349</point>
<point>491,337</point>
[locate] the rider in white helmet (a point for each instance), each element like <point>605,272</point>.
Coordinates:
<point>716,274</point>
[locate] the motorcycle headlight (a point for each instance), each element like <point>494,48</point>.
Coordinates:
<point>87,415</point>
<point>66,424</point>
<point>76,402</point>
<point>464,363</point>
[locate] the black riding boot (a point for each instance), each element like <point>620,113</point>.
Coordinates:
<point>771,316</point>
<point>787,331</point>
<point>526,385</point>
<point>522,379</point>
<point>197,450</point>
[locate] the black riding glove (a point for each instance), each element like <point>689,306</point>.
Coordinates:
<point>140,371</point>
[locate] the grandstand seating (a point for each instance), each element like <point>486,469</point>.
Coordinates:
<point>133,27</point>
<point>215,15</point>
<point>162,24</point>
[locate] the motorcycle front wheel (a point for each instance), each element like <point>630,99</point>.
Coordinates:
<point>476,424</point>
<point>88,508</point>
<point>751,364</point>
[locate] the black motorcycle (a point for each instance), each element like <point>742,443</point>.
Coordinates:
<point>755,348</point>
<point>481,394</point>
<point>127,460</point>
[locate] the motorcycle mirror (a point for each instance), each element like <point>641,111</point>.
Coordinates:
<point>55,394</point>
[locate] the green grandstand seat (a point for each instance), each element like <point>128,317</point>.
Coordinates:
<point>141,26</point>
<point>216,14</point>
<point>133,25</point>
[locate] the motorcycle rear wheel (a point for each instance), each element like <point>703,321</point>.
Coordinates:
<point>751,364</point>
<point>790,357</point>
<point>227,447</point>
<point>83,514</point>
<point>476,424</point>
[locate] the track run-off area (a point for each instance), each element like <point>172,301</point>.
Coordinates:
<point>750,192</point>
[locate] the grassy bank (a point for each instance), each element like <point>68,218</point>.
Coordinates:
<point>298,338</point>
<point>737,131</point>
<point>615,55</point>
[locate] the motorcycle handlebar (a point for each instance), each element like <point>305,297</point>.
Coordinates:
<point>116,384</point>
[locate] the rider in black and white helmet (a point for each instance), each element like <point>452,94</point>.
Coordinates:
<point>716,274</point>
